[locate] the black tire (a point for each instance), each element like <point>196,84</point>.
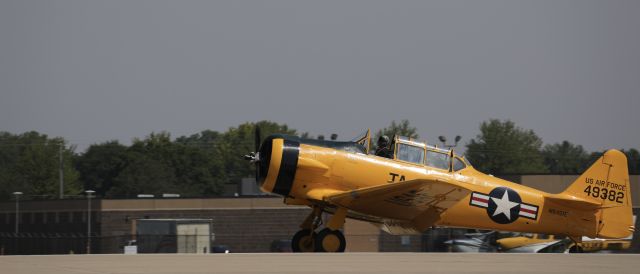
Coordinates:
<point>576,249</point>
<point>330,241</point>
<point>303,241</point>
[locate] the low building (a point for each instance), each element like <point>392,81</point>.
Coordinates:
<point>59,226</point>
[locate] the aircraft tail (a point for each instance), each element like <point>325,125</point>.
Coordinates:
<point>605,187</point>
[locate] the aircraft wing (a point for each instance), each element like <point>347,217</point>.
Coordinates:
<point>404,201</point>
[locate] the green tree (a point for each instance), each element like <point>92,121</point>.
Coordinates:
<point>201,165</point>
<point>30,163</point>
<point>403,128</point>
<point>196,165</point>
<point>156,165</point>
<point>100,165</point>
<point>143,174</point>
<point>633,160</point>
<point>198,170</point>
<point>148,168</point>
<point>503,148</point>
<point>203,139</point>
<point>565,158</point>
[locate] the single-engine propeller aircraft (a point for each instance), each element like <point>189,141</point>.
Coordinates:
<point>423,186</point>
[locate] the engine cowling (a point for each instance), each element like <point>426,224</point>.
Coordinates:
<point>278,164</point>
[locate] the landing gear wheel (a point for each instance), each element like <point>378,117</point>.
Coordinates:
<point>303,241</point>
<point>576,249</point>
<point>330,241</point>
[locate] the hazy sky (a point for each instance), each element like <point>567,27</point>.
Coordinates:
<point>91,71</point>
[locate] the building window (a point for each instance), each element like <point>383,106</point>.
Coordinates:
<point>79,216</point>
<point>38,217</point>
<point>63,217</point>
<point>405,240</point>
<point>51,217</point>
<point>458,164</point>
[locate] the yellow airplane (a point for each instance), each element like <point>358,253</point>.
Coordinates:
<point>423,186</point>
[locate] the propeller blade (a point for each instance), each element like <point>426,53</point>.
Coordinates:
<point>257,139</point>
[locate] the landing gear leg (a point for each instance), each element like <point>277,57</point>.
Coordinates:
<point>303,240</point>
<point>577,245</point>
<point>331,238</point>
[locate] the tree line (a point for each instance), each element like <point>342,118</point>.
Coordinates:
<point>199,165</point>
<point>503,148</point>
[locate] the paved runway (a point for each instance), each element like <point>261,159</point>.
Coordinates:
<point>324,263</point>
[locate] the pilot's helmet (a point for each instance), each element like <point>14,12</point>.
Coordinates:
<point>383,141</point>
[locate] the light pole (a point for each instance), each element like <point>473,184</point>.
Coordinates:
<point>17,193</point>
<point>89,193</point>
<point>61,170</point>
<point>444,141</point>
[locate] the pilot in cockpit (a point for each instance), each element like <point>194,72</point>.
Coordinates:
<point>383,149</point>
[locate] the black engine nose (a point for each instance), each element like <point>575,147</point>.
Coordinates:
<point>288,167</point>
<point>285,150</point>
<point>265,160</point>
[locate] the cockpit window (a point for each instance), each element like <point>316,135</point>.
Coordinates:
<point>458,164</point>
<point>364,140</point>
<point>410,153</point>
<point>360,137</point>
<point>466,161</point>
<point>438,159</point>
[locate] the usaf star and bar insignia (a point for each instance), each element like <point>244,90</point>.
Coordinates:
<point>504,205</point>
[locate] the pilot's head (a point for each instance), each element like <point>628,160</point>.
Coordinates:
<point>383,141</point>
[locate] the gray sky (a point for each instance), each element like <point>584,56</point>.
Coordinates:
<point>92,71</point>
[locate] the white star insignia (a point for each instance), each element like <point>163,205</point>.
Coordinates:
<point>504,205</point>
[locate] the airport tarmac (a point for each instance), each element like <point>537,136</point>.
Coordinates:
<point>323,263</point>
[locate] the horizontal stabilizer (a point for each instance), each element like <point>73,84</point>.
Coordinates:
<point>573,202</point>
